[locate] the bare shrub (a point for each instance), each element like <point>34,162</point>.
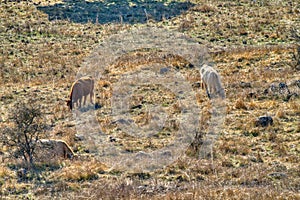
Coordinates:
<point>25,128</point>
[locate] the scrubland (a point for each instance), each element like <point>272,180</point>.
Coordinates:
<point>253,47</point>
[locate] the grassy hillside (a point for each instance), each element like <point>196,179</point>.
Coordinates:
<point>42,48</point>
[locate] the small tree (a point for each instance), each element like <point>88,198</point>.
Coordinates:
<point>24,131</point>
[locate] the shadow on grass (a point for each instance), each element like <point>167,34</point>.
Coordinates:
<point>115,11</point>
<point>36,172</point>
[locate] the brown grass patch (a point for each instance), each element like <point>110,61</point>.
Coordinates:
<point>240,104</point>
<point>78,171</point>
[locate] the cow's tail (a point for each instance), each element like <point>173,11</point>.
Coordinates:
<point>70,101</point>
<point>71,93</point>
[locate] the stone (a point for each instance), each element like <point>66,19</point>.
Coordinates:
<point>264,121</point>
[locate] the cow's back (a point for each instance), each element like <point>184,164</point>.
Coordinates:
<point>82,87</point>
<point>206,72</point>
<point>86,84</point>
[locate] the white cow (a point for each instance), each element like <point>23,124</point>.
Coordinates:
<point>211,82</point>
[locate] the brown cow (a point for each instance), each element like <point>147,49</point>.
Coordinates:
<point>210,81</point>
<point>81,88</point>
<point>51,148</point>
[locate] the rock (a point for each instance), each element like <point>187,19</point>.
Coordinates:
<point>264,121</point>
<point>112,139</point>
<point>282,85</point>
<point>245,84</point>
<point>283,88</point>
<point>79,137</point>
<point>197,85</point>
<point>251,95</point>
<point>139,106</point>
<point>266,91</point>
<point>277,175</point>
<point>273,88</point>
<point>279,90</point>
<point>164,70</point>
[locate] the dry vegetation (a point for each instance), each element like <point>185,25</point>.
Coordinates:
<point>253,49</point>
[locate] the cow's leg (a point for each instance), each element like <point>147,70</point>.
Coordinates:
<point>91,97</point>
<point>212,92</point>
<point>206,88</point>
<point>64,152</point>
<point>75,103</point>
<point>79,106</point>
<point>84,100</point>
<point>202,84</point>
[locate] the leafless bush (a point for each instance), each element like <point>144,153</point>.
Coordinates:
<point>25,128</point>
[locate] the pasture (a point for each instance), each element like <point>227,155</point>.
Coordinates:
<point>254,48</point>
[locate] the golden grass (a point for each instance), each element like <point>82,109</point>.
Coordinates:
<point>249,42</point>
<point>80,171</point>
<point>240,104</point>
<point>6,173</point>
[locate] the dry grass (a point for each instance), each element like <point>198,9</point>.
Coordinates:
<point>79,171</point>
<point>252,48</point>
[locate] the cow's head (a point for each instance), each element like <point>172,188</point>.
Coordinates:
<point>69,104</point>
